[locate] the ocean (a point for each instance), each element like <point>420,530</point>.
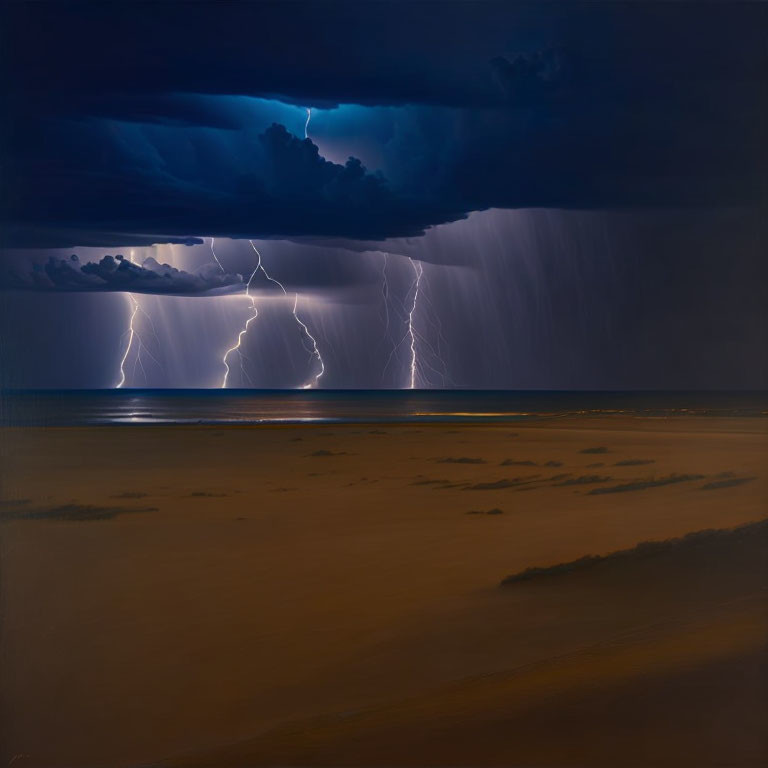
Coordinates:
<point>231,406</point>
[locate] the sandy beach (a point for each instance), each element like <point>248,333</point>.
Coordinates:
<point>367,595</point>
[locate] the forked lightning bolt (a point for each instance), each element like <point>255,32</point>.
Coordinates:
<point>410,332</point>
<point>215,257</point>
<point>418,272</point>
<point>314,351</point>
<point>236,346</point>
<point>422,353</point>
<point>385,295</point>
<point>132,334</point>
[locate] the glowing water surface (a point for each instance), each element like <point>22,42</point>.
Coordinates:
<point>233,406</point>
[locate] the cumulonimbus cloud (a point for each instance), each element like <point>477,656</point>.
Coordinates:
<point>497,105</point>
<point>116,273</point>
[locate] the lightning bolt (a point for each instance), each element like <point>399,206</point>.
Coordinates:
<point>314,351</point>
<point>385,295</point>
<point>236,346</point>
<point>132,334</point>
<point>306,335</point>
<point>422,353</point>
<point>215,257</point>
<point>418,271</point>
<point>430,353</point>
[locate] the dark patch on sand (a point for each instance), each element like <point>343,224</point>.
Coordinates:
<point>496,485</point>
<point>75,513</point>
<point>584,480</point>
<point>207,495</point>
<point>460,460</point>
<point>517,463</point>
<point>751,532</point>
<point>553,463</point>
<point>363,481</point>
<point>377,432</point>
<point>641,485</point>
<point>494,511</point>
<point>323,453</point>
<point>634,462</point>
<point>730,482</point>
<point>597,449</point>
<point>437,484</point>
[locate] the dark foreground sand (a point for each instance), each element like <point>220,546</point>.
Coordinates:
<point>300,596</point>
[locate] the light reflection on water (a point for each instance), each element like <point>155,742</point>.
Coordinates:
<point>70,407</point>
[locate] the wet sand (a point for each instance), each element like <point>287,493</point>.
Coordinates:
<point>332,595</point>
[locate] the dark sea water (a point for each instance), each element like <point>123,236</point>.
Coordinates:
<point>137,406</point>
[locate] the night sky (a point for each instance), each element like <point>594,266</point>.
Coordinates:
<point>474,194</point>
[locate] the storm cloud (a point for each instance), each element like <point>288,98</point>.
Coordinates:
<point>483,105</point>
<point>116,273</point>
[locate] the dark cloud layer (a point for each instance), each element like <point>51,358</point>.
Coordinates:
<point>116,273</point>
<point>110,181</point>
<point>374,53</point>
<point>500,105</point>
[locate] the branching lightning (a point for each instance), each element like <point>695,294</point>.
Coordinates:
<point>306,335</point>
<point>385,296</point>
<point>423,356</point>
<point>133,334</point>
<point>237,344</point>
<point>418,271</point>
<point>314,351</point>
<point>236,347</point>
<point>215,257</point>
